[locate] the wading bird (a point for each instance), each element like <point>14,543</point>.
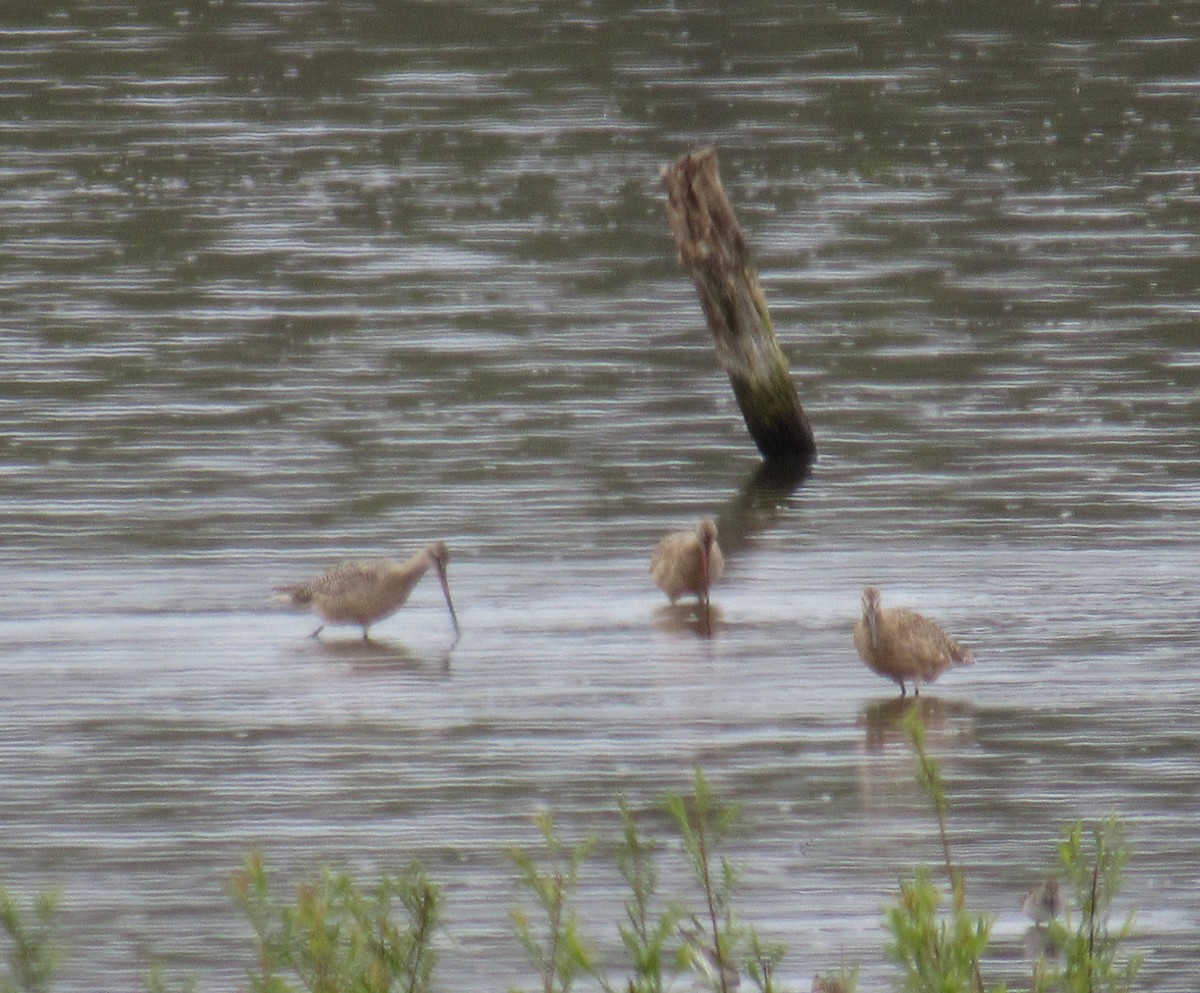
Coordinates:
<point>901,645</point>
<point>364,591</point>
<point>688,562</point>
<point>1043,903</point>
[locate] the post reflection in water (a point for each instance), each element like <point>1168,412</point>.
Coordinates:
<point>763,497</point>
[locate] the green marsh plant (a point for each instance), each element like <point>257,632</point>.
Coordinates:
<point>658,936</point>
<point>337,937</point>
<point>555,945</point>
<point>647,931</point>
<point>718,946</point>
<point>937,953</point>
<point>1088,945</point>
<point>32,953</point>
<point>703,824</point>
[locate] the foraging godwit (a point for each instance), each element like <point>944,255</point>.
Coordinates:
<point>688,562</point>
<point>364,591</point>
<point>903,645</point>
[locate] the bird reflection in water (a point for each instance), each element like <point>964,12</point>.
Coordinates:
<point>1039,943</point>
<point>883,719</point>
<point>375,656</point>
<point>832,984</point>
<point>690,618</point>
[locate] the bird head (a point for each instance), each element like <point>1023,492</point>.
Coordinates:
<point>870,600</point>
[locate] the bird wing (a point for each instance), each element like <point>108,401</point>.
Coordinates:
<point>928,642</point>
<point>666,553</point>
<point>675,563</point>
<point>345,577</point>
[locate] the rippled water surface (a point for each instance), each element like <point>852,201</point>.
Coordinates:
<point>282,283</point>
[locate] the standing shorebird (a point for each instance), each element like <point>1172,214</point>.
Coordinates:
<point>688,562</point>
<point>902,645</point>
<point>1043,903</point>
<point>364,591</point>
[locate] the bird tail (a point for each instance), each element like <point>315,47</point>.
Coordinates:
<point>299,596</point>
<point>961,654</point>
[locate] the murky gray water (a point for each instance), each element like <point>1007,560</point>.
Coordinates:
<point>285,282</point>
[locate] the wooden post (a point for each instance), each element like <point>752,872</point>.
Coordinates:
<point>712,248</point>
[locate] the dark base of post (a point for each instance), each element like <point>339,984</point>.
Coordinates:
<point>714,251</point>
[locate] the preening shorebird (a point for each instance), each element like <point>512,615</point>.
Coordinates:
<point>688,562</point>
<point>902,645</point>
<point>364,591</point>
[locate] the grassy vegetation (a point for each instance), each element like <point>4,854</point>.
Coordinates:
<point>936,952</point>
<point>555,948</point>
<point>944,953</point>
<point>32,952</point>
<point>1090,947</point>
<point>336,937</point>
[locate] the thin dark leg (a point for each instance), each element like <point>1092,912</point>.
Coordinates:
<point>318,631</point>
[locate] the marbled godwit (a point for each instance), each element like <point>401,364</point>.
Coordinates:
<point>688,562</point>
<point>364,591</point>
<point>902,645</point>
<point>1043,903</point>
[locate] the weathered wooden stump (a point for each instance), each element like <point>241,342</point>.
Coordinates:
<point>712,248</point>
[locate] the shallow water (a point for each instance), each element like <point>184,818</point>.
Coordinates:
<point>283,283</point>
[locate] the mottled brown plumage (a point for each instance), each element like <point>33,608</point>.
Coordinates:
<point>688,562</point>
<point>904,646</point>
<point>364,591</point>
<point>829,984</point>
<point>1043,903</point>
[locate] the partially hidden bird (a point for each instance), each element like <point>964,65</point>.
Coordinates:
<point>904,646</point>
<point>688,562</point>
<point>1043,903</point>
<point>363,591</point>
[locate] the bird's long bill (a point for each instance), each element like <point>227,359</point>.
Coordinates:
<point>706,578</point>
<point>441,571</point>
